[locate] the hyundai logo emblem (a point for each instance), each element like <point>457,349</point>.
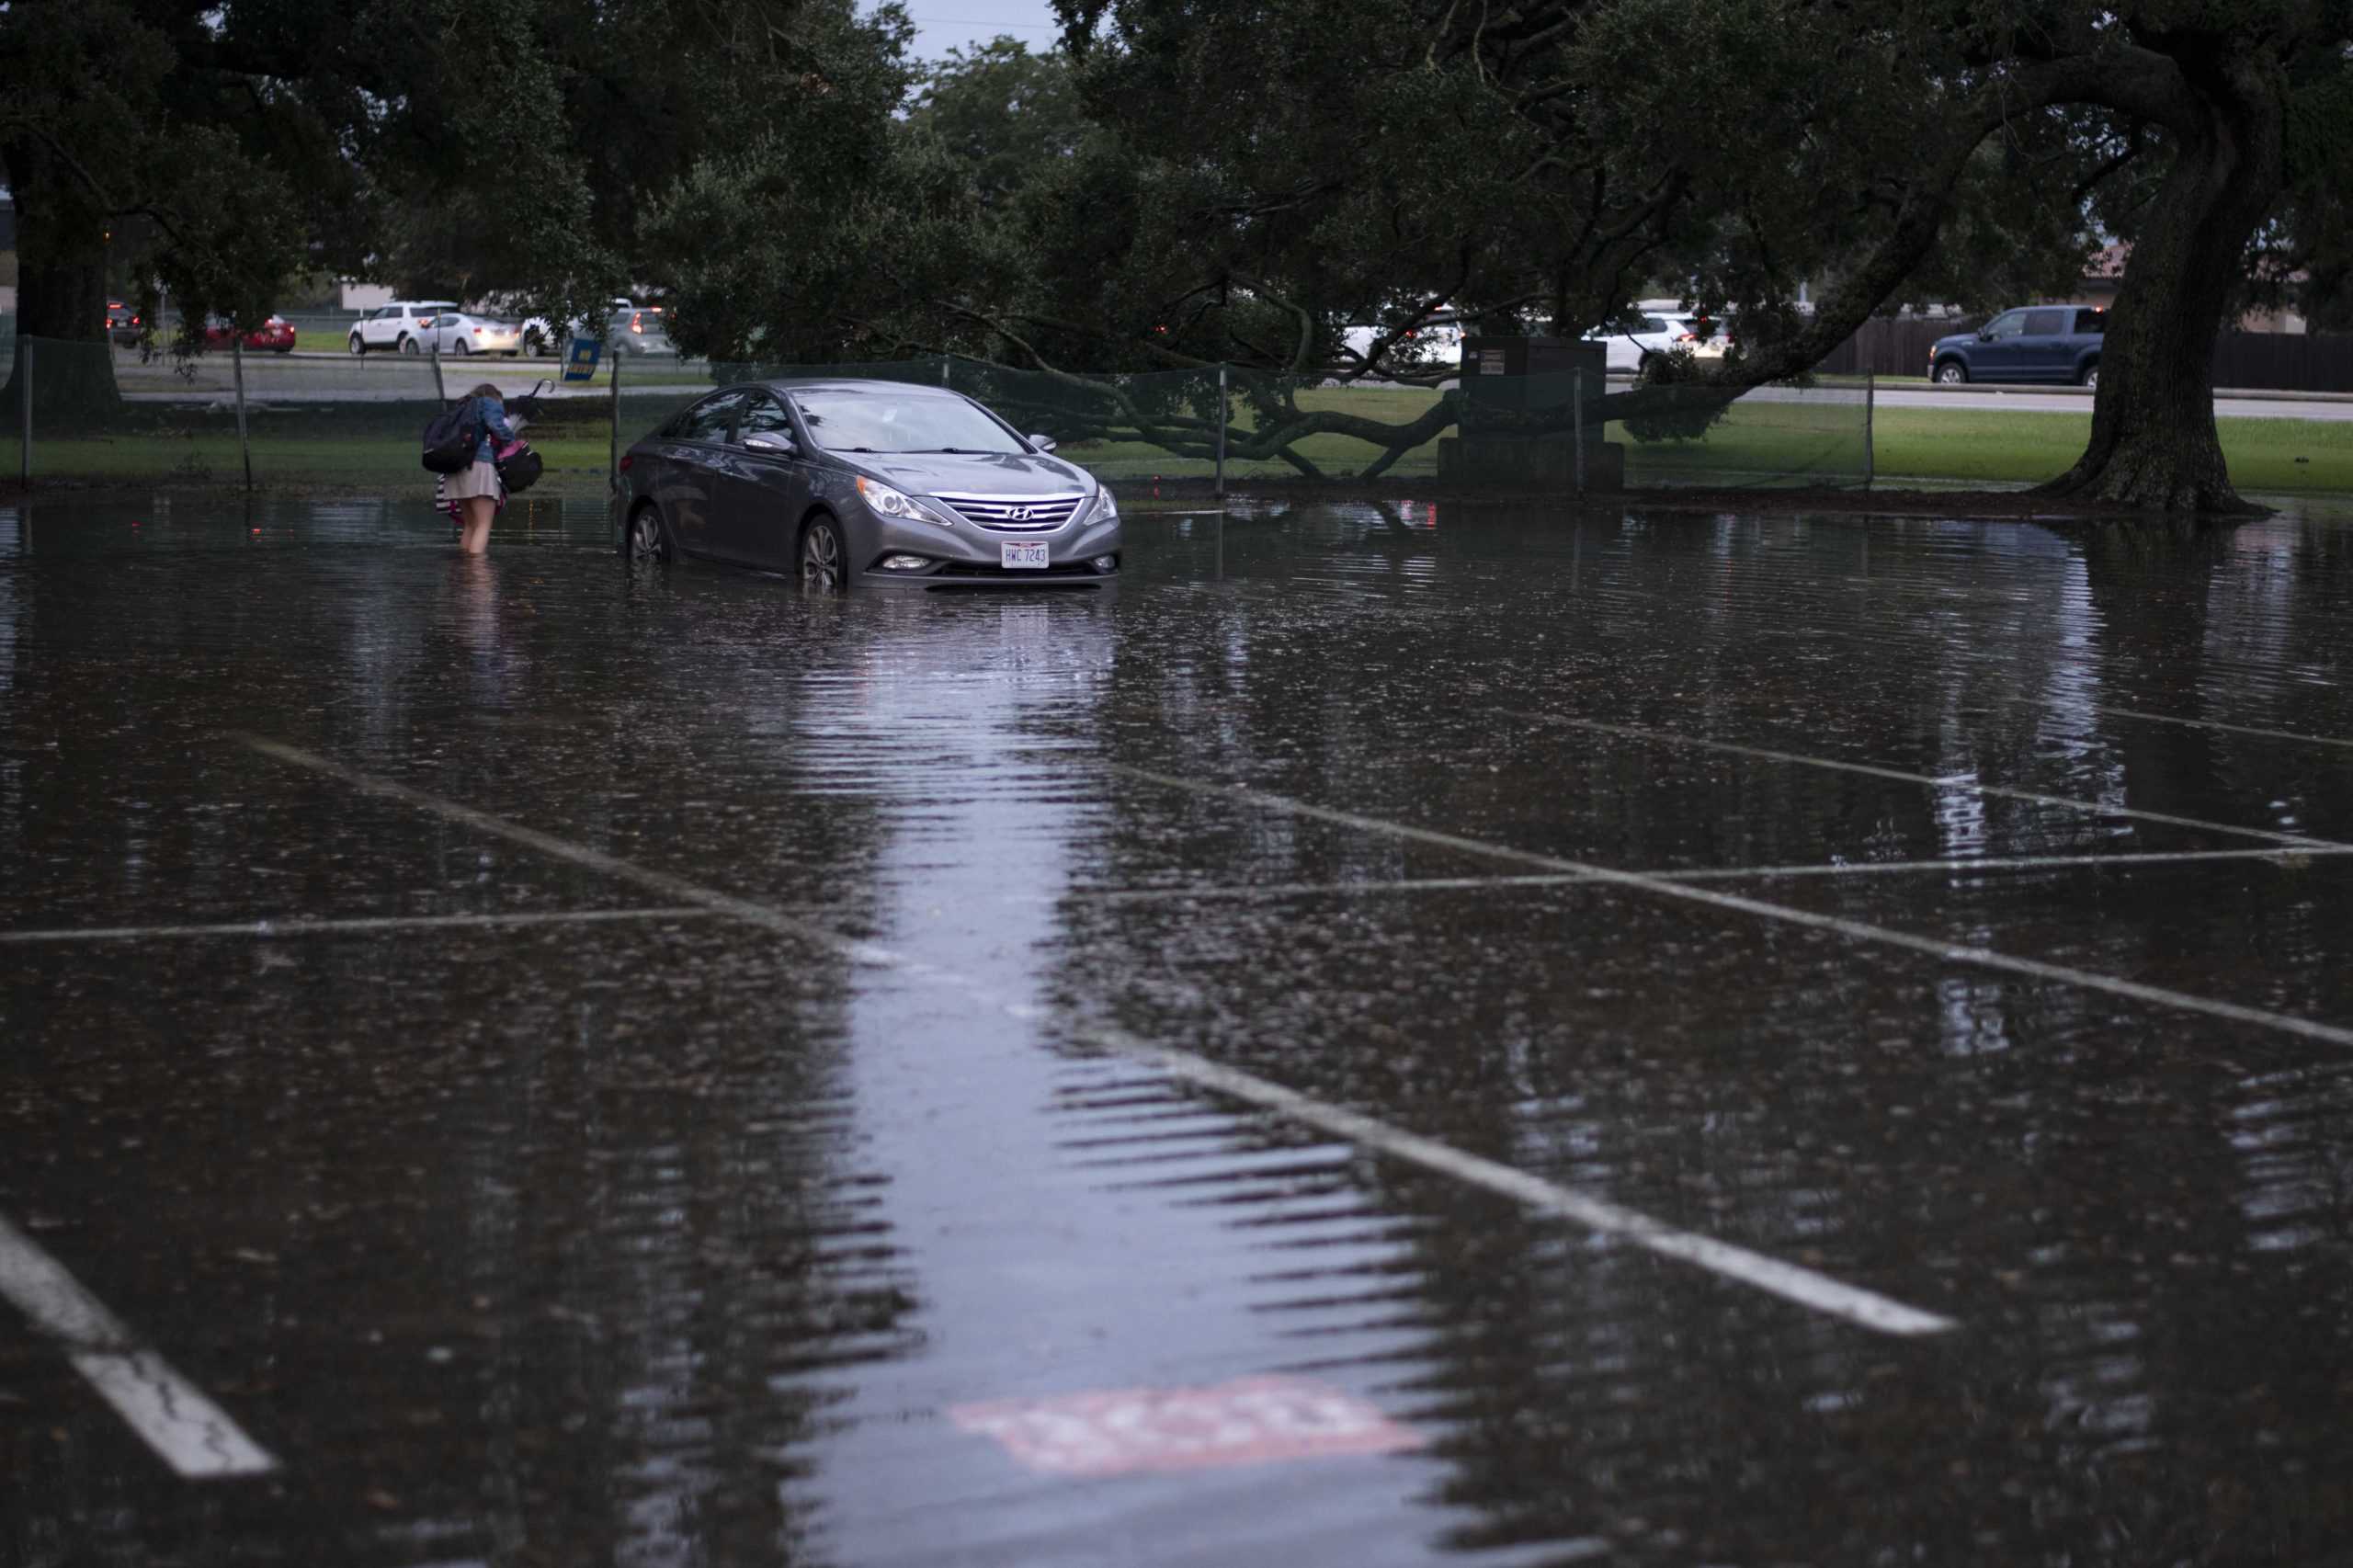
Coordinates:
<point>1018,514</point>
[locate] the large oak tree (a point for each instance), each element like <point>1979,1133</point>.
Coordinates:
<point>1402,156</point>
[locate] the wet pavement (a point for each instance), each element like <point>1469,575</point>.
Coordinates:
<point>1396,1036</point>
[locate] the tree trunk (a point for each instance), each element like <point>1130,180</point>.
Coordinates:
<point>2154,443</point>
<point>61,291</point>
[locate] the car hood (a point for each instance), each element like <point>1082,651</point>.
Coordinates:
<point>935,473</point>
<point>1954,340</point>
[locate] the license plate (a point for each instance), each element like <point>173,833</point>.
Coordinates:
<point>1030,554</point>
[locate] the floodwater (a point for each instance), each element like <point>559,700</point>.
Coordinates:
<point>1399,1034</point>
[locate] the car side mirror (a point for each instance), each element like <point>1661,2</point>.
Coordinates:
<point>1984,337</point>
<point>1043,443</point>
<point>780,446</point>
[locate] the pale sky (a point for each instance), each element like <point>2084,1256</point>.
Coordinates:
<point>942,25</point>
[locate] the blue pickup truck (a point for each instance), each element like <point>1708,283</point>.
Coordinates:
<point>2040,342</point>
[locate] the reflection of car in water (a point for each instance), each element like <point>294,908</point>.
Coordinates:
<point>870,482</point>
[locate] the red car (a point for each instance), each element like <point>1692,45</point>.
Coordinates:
<point>275,335</point>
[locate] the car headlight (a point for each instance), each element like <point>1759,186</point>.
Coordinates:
<point>886,502</point>
<point>1105,510</point>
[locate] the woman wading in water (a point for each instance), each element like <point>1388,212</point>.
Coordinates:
<point>475,494</point>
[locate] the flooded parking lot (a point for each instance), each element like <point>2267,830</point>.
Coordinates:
<point>1399,1034</point>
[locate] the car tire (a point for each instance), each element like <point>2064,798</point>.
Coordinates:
<point>464,349</point>
<point>2090,378</point>
<point>534,344</point>
<point>644,541</point>
<point>359,345</point>
<point>825,564</point>
<point>408,346</point>
<point>1952,373</point>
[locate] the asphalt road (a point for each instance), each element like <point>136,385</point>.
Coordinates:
<point>1396,1036</point>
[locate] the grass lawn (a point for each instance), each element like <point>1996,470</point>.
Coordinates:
<point>1962,444</point>
<point>1758,443</point>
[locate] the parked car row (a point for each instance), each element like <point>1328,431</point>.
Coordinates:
<point>1633,346</point>
<point>630,328</point>
<point>427,327</point>
<point>275,335</point>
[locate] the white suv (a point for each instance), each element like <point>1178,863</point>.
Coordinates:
<point>405,324</point>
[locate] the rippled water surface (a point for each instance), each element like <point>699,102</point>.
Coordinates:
<point>711,1054</point>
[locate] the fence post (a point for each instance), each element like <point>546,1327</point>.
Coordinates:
<point>944,362</point>
<point>1871,443</point>
<point>25,405</point>
<point>439,391</point>
<point>1577,416</point>
<point>1224,414</point>
<point>613,457</point>
<point>238,363</point>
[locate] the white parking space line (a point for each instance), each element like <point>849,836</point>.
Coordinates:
<point>1948,781</point>
<point>344,927</point>
<point>1769,1274</point>
<point>191,1434</point>
<point>1243,890</point>
<point>2233,729</point>
<point>1803,1286</point>
<point>1950,952</point>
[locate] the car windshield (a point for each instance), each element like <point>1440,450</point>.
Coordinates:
<point>888,419</point>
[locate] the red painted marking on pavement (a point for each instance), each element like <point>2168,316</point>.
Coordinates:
<point>1124,1431</point>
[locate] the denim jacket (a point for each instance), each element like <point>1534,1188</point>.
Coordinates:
<point>491,420</point>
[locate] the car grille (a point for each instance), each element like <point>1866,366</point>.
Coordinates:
<point>985,572</point>
<point>1015,514</point>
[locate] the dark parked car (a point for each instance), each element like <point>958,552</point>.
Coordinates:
<point>843,480</point>
<point>122,324</point>
<point>2039,343</point>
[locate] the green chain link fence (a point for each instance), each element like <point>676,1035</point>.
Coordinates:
<point>103,414</point>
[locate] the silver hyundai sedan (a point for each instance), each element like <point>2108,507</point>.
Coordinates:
<point>845,481</point>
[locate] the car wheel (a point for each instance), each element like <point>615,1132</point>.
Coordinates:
<point>1952,373</point>
<point>464,348</point>
<point>821,559</point>
<point>533,344</point>
<point>359,345</point>
<point>408,346</point>
<point>2090,378</point>
<point>643,540</point>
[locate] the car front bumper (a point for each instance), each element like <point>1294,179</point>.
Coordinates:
<point>966,556</point>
